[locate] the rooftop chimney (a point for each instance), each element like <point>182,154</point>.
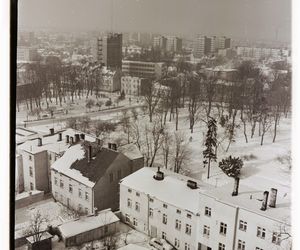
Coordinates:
<point>59,137</point>
<point>265,201</point>
<point>236,187</point>
<point>159,175</point>
<point>77,139</point>
<point>40,142</point>
<point>89,153</point>
<point>114,146</point>
<point>71,140</point>
<point>192,184</point>
<point>95,211</point>
<point>273,196</point>
<point>82,136</point>
<point>109,145</point>
<point>67,138</point>
<point>51,131</point>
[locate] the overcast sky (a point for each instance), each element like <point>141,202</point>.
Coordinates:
<point>260,19</point>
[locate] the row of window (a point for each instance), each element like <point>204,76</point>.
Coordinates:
<point>80,193</point>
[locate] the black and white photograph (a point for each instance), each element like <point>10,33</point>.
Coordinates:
<point>152,124</point>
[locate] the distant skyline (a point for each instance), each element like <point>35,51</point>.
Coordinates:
<point>268,20</point>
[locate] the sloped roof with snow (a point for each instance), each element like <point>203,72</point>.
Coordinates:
<point>172,189</point>
<point>131,151</point>
<point>88,223</point>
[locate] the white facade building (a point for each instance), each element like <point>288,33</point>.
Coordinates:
<point>204,218</point>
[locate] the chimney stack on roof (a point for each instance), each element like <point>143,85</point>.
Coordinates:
<point>192,184</point>
<point>67,138</point>
<point>59,136</point>
<point>51,131</point>
<point>89,153</point>
<point>77,139</point>
<point>71,140</point>
<point>82,136</point>
<point>273,197</point>
<point>159,175</point>
<point>40,142</point>
<point>265,201</point>
<point>236,187</point>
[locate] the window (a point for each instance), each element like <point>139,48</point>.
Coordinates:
<point>30,171</point>
<point>50,157</point>
<point>276,238</point>
<point>221,246</point>
<point>223,228</point>
<point>119,174</point>
<point>165,205</point>
<point>243,225</point>
<point>129,190</point>
<point>137,194</point>
<point>87,196</point>
<point>187,246</point>
<point>258,248</point>
<point>129,203</point>
<point>261,232</point>
<point>178,224</point>
<point>189,216</point>
<point>206,230</point>
<point>188,229</point>
<point>70,188</point>
<point>241,245</point>
<point>61,184</point>
<point>30,157</point>
<point>135,223</point>
<point>150,212</point>
<point>127,219</point>
<point>79,193</point>
<point>137,206</point>
<point>111,177</point>
<point>165,219</point>
<point>178,211</point>
<point>151,200</point>
<point>163,235</point>
<point>31,186</point>
<point>207,211</point>
<point>177,243</point>
<point>55,181</point>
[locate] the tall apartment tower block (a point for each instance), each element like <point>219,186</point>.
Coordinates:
<point>107,50</point>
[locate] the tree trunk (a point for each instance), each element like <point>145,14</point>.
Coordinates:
<point>208,169</point>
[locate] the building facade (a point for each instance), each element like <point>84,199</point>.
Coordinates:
<point>26,54</point>
<point>202,46</point>
<point>174,44</point>
<point>107,50</point>
<point>132,85</point>
<point>160,42</point>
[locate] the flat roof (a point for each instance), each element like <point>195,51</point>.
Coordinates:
<point>87,223</point>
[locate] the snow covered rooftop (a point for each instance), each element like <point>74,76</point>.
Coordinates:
<point>131,151</point>
<point>51,143</point>
<point>251,199</point>
<point>133,247</point>
<point>172,189</point>
<point>84,224</point>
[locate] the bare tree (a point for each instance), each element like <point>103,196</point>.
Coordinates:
<point>181,152</point>
<point>152,97</point>
<point>166,147</point>
<point>125,121</point>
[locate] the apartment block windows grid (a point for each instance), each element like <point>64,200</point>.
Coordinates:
<point>261,232</point>
<point>241,245</point>
<point>243,225</point>
<point>207,211</point>
<point>165,219</point>
<point>221,246</point>
<point>223,228</point>
<point>188,229</point>
<point>178,224</point>
<point>206,230</point>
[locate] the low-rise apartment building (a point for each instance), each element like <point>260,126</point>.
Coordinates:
<point>87,176</point>
<point>132,85</point>
<point>192,215</point>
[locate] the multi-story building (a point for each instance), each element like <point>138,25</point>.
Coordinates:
<point>193,215</point>
<point>87,176</point>
<point>132,85</point>
<point>202,46</point>
<point>258,53</point>
<point>213,44</point>
<point>224,42</point>
<point>107,50</point>
<point>111,80</point>
<point>174,44</point>
<point>26,54</point>
<point>151,70</point>
<point>160,42</point>
<point>39,154</point>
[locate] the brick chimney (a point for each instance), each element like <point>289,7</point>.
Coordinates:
<point>265,201</point>
<point>71,140</point>
<point>67,138</point>
<point>77,139</point>
<point>273,197</point>
<point>59,137</point>
<point>51,131</point>
<point>40,142</point>
<point>82,136</point>
<point>236,187</point>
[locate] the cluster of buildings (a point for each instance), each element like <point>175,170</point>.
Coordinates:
<point>258,53</point>
<point>168,43</point>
